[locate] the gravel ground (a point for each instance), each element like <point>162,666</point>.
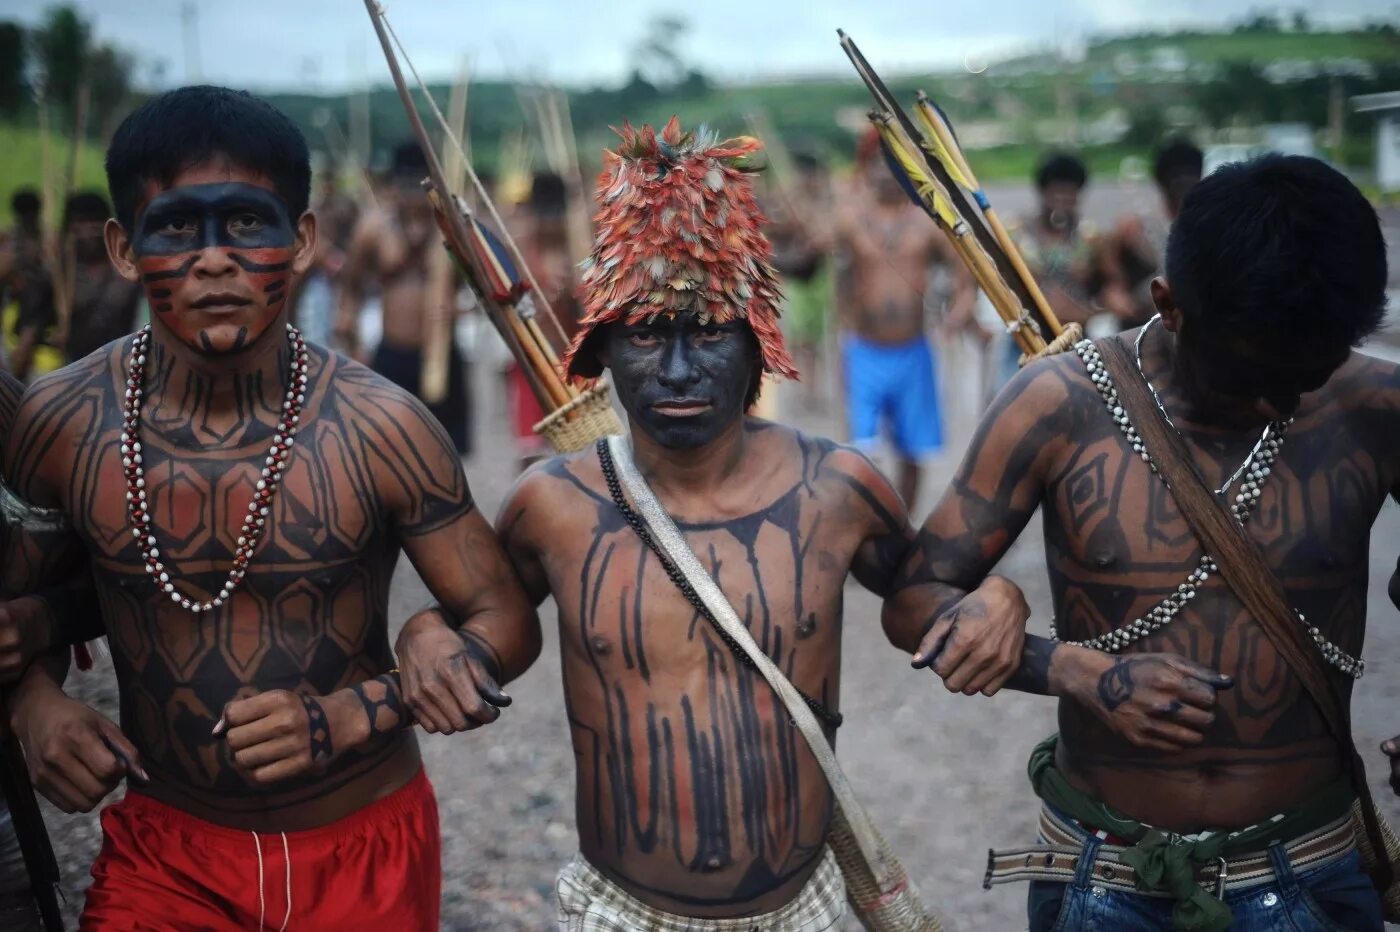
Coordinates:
<point>943,776</point>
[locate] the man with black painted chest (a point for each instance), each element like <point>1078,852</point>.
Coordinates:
<point>1188,798</point>
<point>269,487</point>
<point>699,805</point>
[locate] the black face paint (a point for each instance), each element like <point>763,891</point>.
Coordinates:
<point>680,381</point>
<point>251,226</point>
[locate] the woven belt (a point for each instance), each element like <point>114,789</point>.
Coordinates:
<point>1056,859</point>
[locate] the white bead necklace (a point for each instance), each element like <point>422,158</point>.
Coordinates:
<point>1257,467</point>
<point>256,518</point>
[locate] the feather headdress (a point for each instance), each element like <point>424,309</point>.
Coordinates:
<point>679,231</point>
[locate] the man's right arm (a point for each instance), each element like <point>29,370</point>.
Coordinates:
<point>995,491</point>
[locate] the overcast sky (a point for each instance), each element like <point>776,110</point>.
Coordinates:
<point>328,44</point>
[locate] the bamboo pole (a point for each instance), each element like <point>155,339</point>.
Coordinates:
<point>441,314</point>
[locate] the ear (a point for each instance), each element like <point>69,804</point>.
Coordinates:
<point>304,248</point>
<point>1166,305</point>
<point>119,250</point>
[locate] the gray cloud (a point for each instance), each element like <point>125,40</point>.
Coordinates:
<point>329,43</point>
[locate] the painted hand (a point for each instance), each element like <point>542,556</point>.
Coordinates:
<point>76,755</point>
<point>447,677</point>
<point>975,646</point>
<point>279,734</point>
<point>1391,749</point>
<point>1159,701</point>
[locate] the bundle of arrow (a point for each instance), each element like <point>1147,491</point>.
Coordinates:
<point>496,272</point>
<point>928,162</point>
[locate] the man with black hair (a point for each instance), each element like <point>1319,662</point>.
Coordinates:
<point>805,264</point>
<point>393,245</point>
<point>1055,243</point>
<point>27,281</point>
<point>243,497</point>
<point>104,304</point>
<point>1178,795</point>
<point>1140,240</point>
<point>699,806</point>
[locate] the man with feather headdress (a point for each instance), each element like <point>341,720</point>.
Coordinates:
<point>700,806</point>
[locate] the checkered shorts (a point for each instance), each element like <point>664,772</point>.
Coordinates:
<point>589,902</point>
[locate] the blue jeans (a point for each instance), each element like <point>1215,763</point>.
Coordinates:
<point>1329,899</point>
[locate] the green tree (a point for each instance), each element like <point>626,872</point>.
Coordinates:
<point>62,45</point>
<point>13,59</point>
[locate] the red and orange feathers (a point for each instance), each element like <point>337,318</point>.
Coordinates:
<point>679,231</point>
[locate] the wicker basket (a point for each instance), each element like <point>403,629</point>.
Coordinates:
<point>1390,899</point>
<point>582,421</point>
<point>898,909</point>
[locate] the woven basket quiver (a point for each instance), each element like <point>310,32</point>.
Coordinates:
<point>898,909</point>
<point>580,422</point>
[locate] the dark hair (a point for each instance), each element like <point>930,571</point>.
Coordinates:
<point>1061,167</point>
<point>184,127</point>
<point>85,206</point>
<point>1283,247</point>
<point>1177,159</point>
<point>408,163</point>
<point>26,203</point>
<point>548,195</point>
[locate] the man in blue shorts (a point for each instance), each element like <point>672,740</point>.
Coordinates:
<point>890,371</point>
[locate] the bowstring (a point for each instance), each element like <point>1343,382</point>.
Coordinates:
<point>471,173</point>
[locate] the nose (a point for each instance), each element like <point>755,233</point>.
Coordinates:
<point>213,262</point>
<point>677,367</point>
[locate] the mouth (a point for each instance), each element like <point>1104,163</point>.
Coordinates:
<point>681,407</point>
<point>222,302</point>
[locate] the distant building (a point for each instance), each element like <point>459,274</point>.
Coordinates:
<point>1386,107</point>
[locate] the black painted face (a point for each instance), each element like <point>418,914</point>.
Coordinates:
<point>680,381</point>
<point>216,261</point>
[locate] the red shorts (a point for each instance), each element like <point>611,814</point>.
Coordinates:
<point>375,870</point>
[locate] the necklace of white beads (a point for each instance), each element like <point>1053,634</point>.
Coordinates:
<point>1254,470</point>
<point>254,522</point>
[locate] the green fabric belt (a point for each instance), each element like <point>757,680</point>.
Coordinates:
<point>1168,862</point>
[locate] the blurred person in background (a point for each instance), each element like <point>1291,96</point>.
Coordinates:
<point>392,245</point>
<point>543,228</point>
<point>29,312</point>
<point>889,365</point>
<point>336,214</point>
<point>105,305</point>
<point>805,267</point>
<point>1139,241</point>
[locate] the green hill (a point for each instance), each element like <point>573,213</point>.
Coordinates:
<point>24,162</point>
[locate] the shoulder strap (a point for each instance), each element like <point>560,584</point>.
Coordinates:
<point>669,538</point>
<point>1241,563</point>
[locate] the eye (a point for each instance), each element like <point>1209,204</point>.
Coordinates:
<point>245,224</point>
<point>643,338</point>
<point>177,226</point>
<point>710,335</point>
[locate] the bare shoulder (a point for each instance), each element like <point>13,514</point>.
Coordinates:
<point>833,471</point>
<point>553,494</point>
<point>1364,382</point>
<point>59,411</point>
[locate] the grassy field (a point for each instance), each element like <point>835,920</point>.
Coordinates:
<point>23,161</point>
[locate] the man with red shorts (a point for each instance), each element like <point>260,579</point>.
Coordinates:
<point>242,497</point>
